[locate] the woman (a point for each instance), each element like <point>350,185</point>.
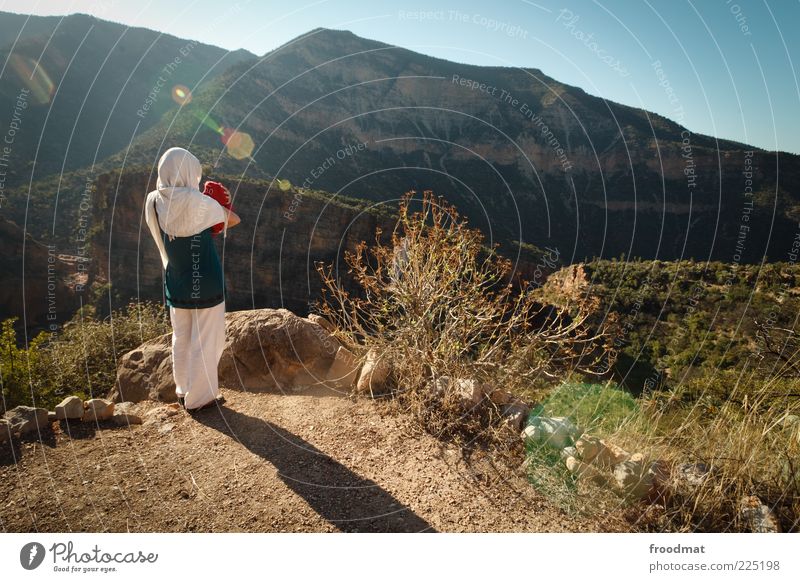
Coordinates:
<point>180,218</point>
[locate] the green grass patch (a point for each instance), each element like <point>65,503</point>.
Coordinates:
<point>596,408</point>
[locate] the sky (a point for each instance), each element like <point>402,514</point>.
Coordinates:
<point>725,68</point>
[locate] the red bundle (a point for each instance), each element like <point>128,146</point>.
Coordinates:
<point>217,191</point>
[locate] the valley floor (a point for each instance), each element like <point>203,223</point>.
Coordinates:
<point>266,463</point>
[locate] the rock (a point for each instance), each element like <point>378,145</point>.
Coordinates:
<point>660,474</point>
<point>790,421</point>
<point>588,448</point>
<point>692,474</point>
<point>759,517</point>
<point>586,471</point>
<point>498,396</point>
<point>265,350</point>
<point>633,479</point>
<point>166,427</point>
<point>146,372</point>
<point>26,419</point>
<point>5,431</point>
<point>439,385</point>
<point>97,409</point>
<point>515,414</point>
<point>343,371</point>
<point>567,452</point>
<point>126,419</point>
<point>126,408</point>
<point>556,432</point>
<point>322,321</point>
<point>468,390</point>
<point>374,374</point>
<point>71,408</point>
<point>51,416</point>
<point>600,452</point>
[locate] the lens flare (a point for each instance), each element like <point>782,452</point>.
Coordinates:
<point>208,121</point>
<point>34,77</point>
<point>181,95</point>
<point>238,143</point>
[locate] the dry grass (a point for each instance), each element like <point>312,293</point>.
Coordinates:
<point>748,443</point>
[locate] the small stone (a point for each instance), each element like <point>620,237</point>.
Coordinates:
<point>469,391</point>
<point>759,517</point>
<point>633,480</point>
<point>692,474</point>
<point>556,432</point>
<point>567,452</point>
<point>439,385</point>
<point>599,452</point>
<point>97,409</point>
<point>585,470</point>
<point>499,396</point>
<point>374,374</point>
<point>26,419</point>
<point>166,427</point>
<point>71,408</point>
<point>515,414</point>
<point>125,408</point>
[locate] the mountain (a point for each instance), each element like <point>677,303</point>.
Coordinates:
<point>528,159</point>
<point>81,87</point>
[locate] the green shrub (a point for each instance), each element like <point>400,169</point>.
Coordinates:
<point>81,359</point>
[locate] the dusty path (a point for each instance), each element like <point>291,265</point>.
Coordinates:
<point>267,463</point>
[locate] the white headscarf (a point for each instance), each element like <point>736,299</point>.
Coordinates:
<point>182,209</point>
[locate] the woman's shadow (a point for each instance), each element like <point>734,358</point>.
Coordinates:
<point>349,502</point>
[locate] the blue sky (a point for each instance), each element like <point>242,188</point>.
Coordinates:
<point>719,67</point>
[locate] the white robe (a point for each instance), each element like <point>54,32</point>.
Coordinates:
<point>198,335</point>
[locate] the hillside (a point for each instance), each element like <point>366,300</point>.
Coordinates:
<point>525,157</point>
<point>91,85</point>
<point>684,315</point>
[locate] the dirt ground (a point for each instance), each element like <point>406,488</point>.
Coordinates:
<point>265,463</point>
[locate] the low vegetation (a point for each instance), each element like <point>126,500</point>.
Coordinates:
<point>435,302</point>
<point>80,359</point>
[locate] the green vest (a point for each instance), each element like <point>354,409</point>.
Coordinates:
<point>194,277</point>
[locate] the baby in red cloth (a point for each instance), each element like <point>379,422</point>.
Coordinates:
<point>219,193</point>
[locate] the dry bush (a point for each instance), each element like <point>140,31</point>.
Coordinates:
<point>436,302</point>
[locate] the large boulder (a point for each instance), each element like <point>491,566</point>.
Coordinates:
<point>146,372</point>
<point>26,419</point>
<point>265,350</point>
